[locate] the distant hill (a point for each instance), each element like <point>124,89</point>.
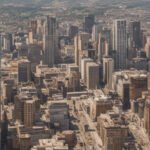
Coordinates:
<point>72,2</point>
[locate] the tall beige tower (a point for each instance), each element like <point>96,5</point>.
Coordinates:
<point>84,61</point>
<point>80,43</point>
<point>29,113</point>
<point>147,116</point>
<point>108,69</point>
<point>92,72</point>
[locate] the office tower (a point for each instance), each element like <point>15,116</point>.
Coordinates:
<point>113,133</point>
<point>59,115</point>
<point>141,106</point>
<point>6,41</point>
<point>148,81</point>
<point>120,43</point>
<point>104,46</point>
<point>125,95</point>
<point>7,90</point>
<point>92,72</point>
<point>144,34</point>
<point>100,106</point>
<point>134,36</point>
<point>108,69</point>
<point>139,63</point>
<point>33,27</point>
<point>1,40</point>
<point>147,46</point>
<point>72,31</point>
<point>138,84</point>
<point>35,54</point>
<point>4,131</point>
<point>73,83</point>
<point>50,42</point>
<point>89,21</point>
<point>18,108</point>
<point>26,109</point>
<point>29,113</point>
<point>23,50</point>
<point>84,62</point>
<point>24,71</point>
<point>81,43</point>
<point>147,116</point>
<point>30,37</point>
<point>97,28</point>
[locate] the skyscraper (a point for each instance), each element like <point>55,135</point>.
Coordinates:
<point>108,69</point>
<point>134,41</point>
<point>81,43</point>
<point>84,62</point>
<point>103,48</point>
<point>24,71</point>
<point>4,131</point>
<point>72,31</point>
<point>50,39</point>
<point>29,113</point>
<point>138,84</point>
<point>89,21</point>
<point>147,116</point>
<point>120,43</point>
<point>92,78</point>
<point>135,34</point>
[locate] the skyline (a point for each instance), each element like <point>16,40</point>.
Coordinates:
<point>75,75</point>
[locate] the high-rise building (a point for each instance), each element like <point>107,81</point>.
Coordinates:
<point>89,21</point>
<point>73,82</point>
<point>135,34</point>
<point>81,42</point>
<point>113,132</point>
<point>18,108</point>
<point>97,28</point>
<point>59,115</point>
<point>120,43</point>
<point>4,131</point>
<point>103,48</point>
<point>92,72</point>
<point>26,109</point>
<point>108,69</point>
<point>104,45</point>
<point>148,81</point>
<point>134,38</point>
<point>147,116</point>
<point>84,61</point>
<point>29,113</point>
<point>6,41</point>
<point>72,31</point>
<point>100,106</point>
<point>50,41</point>
<point>138,84</point>
<point>24,71</point>
<point>147,46</point>
<point>33,26</point>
